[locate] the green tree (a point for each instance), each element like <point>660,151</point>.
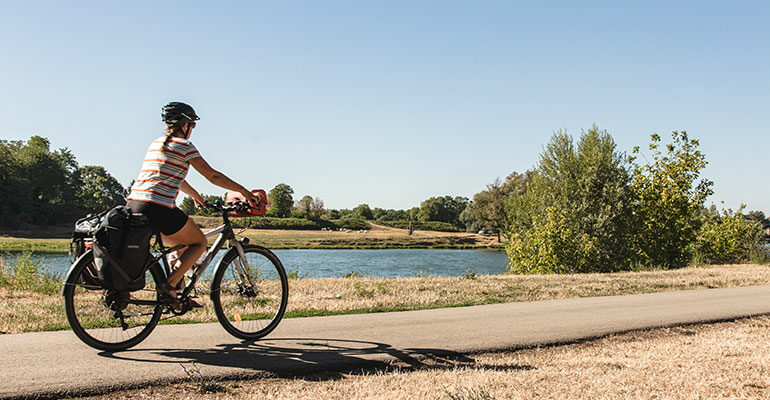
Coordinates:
<point>99,190</point>
<point>281,201</point>
<point>39,185</point>
<point>363,211</point>
<point>574,213</point>
<point>668,197</point>
<point>304,205</point>
<point>188,206</point>
<point>331,214</point>
<point>317,207</point>
<point>759,217</point>
<point>443,209</point>
<point>487,210</point>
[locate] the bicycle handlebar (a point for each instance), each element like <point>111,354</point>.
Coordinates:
<point>238,206</point>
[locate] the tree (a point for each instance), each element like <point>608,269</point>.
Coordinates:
<point>99,190</point>
<point>363,211</point>
<point>39,185</point>
<point>304,205</point>
<point>331,214</point>
<point>281,201</point>
<point>381,214</point>
<point>442,209</point>
<point>759,217</point>
<point>575,212</point>
<point>668,197</point>
<point>188,206</point>
<point>487,210</point>
<point>317,207</point>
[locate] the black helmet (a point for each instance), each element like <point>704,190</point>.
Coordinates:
<point>176,112</point>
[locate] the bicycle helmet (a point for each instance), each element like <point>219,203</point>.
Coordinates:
<point>176,112</point>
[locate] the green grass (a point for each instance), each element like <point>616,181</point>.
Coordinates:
<point>56,327</point>
<point>54,246</point>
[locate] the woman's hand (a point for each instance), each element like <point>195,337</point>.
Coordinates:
<point>200,202</point>
<point>251,197</point>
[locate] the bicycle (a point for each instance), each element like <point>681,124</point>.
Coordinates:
<point>249,291</point>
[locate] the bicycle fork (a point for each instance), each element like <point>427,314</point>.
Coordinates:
<point>246,285</point>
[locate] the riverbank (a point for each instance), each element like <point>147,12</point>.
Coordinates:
<point>377,237</point>
<point>30,310</point>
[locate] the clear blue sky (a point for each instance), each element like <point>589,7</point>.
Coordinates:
<point>389,103</point>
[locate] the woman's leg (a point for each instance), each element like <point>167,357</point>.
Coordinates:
<point>196,242</point>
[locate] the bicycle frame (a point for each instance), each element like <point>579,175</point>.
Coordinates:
<point>226,234</point>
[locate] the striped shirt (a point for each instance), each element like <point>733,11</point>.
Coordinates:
<point>163,170</point>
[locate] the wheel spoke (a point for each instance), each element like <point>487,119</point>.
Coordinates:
<point>104,319</point>
<point>249,310</point>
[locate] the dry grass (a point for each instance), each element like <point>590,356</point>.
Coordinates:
<point>27,312</point>
<point>718,361</point>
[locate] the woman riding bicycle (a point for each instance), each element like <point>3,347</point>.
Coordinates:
<point>161,178</point>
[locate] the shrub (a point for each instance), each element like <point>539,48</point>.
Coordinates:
<point>423,226</point>
<point>668,198</point>
<point>293,273</point>
<point>729,238</point>
<point>351,222</point>
<point>28,274</point>
<point>281,223</point>
<point>551,247</point>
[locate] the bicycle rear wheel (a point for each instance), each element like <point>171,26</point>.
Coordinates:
<point>105,319</point>
<point>250,309</point>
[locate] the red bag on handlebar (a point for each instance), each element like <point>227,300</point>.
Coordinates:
<point>260,208</point>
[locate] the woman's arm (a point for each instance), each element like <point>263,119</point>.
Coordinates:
<point>220,179</point>
<point>190,191</point>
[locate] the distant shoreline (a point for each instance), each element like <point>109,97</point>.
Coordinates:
<point>378,237</point>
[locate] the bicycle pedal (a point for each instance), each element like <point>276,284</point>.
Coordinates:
<point>191,303</point>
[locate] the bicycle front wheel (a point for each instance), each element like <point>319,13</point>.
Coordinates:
<point>250,295</point>
<point>106,319</point>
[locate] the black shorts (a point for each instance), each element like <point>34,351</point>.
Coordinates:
<point>168,220</point>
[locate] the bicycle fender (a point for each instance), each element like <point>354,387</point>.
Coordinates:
<point>72,267</point>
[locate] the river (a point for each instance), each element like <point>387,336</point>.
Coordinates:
<point>388,263</point>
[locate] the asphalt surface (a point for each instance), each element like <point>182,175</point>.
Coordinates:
<point>52,363</point>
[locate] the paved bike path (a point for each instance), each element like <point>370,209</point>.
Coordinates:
<point>57,362</point>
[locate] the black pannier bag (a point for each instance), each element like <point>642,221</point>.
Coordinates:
<point>82,241</point>
<point>122,249</point>
<point>82,235</point>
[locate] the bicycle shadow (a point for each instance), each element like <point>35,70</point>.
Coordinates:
<point>312,358</point>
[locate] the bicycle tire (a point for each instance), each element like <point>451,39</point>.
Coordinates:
<point>92,320</point>
<point>250,315</point>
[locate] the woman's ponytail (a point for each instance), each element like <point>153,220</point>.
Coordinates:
<point>171,129</point>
